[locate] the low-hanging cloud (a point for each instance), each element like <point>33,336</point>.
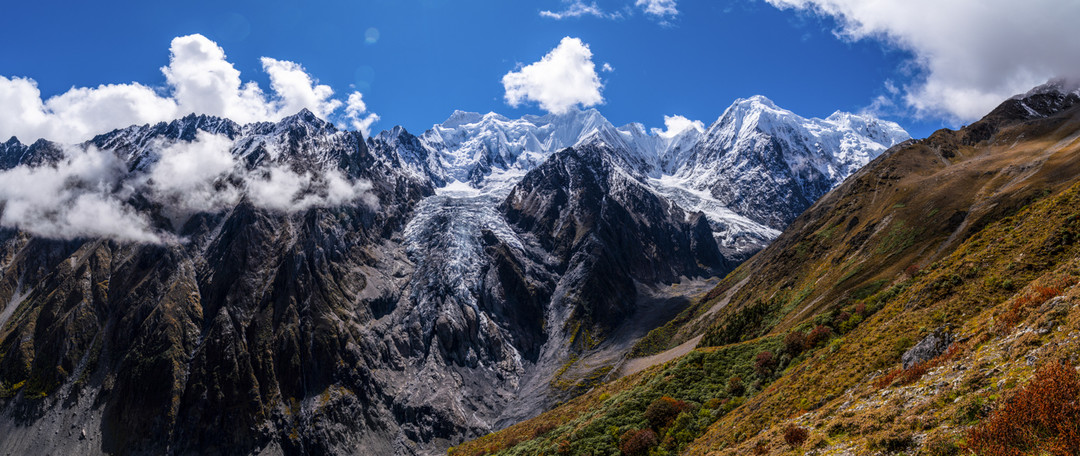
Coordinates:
<point>564,78</point>
<point>88,193</point>
<point>973,53</point>
<point>199,80</point>
<point>78,197</point>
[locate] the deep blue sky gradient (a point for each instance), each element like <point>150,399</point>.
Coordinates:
<point>434,56</point>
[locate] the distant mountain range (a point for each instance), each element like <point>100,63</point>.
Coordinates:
<point>307,290</point>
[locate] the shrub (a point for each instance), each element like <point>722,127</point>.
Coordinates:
<point>940,445</point>
<point>662,411</point>
<point>764,364</point>
<point>795,436</point>
<point>542,428</point>
<point>860,309</point>
<point>1034,298</point>
<point>818,336</point>
<point>971,408</point>
<point>1043,417</point>
<point>911,270</point>
<point>893,441</point>
<point>917,370</point>
<point>735,386</point>
<point>637,442</point>
<point>794,342</point>
<point>761,447</point>
<point>841,318</point>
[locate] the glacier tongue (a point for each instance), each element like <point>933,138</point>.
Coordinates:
<point>444,241</point>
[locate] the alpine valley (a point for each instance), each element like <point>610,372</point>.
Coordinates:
<point>927,305</point>
<point>410,293</point>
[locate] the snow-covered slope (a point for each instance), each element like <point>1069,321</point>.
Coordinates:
<point>768,164</point>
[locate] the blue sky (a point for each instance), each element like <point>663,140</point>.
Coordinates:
<point>415,61</point>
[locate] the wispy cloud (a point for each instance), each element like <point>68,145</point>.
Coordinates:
<point>662,9</point>
<point>578,8</point>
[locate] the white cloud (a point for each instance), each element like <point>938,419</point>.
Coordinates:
<point>87,193</point>
<point>563,78</point>
<point>676,124</point>
<point>658,8</point>
<point>297,90</point>
<point>607,68</point>
<point>186,177</point>
<point>973,53</point>
<point>77,114</point>
<point>578,8</point>
<point>199,79</point>
<point>75,198</point>
<point>278,188</point>
<point>356,113</point>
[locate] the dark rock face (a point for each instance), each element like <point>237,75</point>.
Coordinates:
<point>930,347</point>
<point>606,230</point>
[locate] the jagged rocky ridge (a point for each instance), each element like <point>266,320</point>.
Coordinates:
<point>399,328</point>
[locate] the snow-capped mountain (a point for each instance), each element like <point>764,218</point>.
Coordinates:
<point>751,172</point>
<point>767,164</point>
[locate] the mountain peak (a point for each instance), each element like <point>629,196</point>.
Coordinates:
<point>1063,86</point>
<point>760,101</point>
<point>306,117</point>
<point>459,118</point>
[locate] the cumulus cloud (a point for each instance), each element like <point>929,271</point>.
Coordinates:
<point>89,193</point>
<point>562,79</point>
<point>199,79</point>
<point>973,53</point>
<point>676,124</point>
<point>658,8</point>
<point>578,8</point>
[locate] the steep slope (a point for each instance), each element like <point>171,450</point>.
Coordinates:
<point>606,230</point>
<point>141,348</point>
<point>965,236</point>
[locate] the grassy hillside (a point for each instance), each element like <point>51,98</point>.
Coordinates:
<point>972,233</point>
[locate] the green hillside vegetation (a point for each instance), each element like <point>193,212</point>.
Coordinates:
<point>972,232</point>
